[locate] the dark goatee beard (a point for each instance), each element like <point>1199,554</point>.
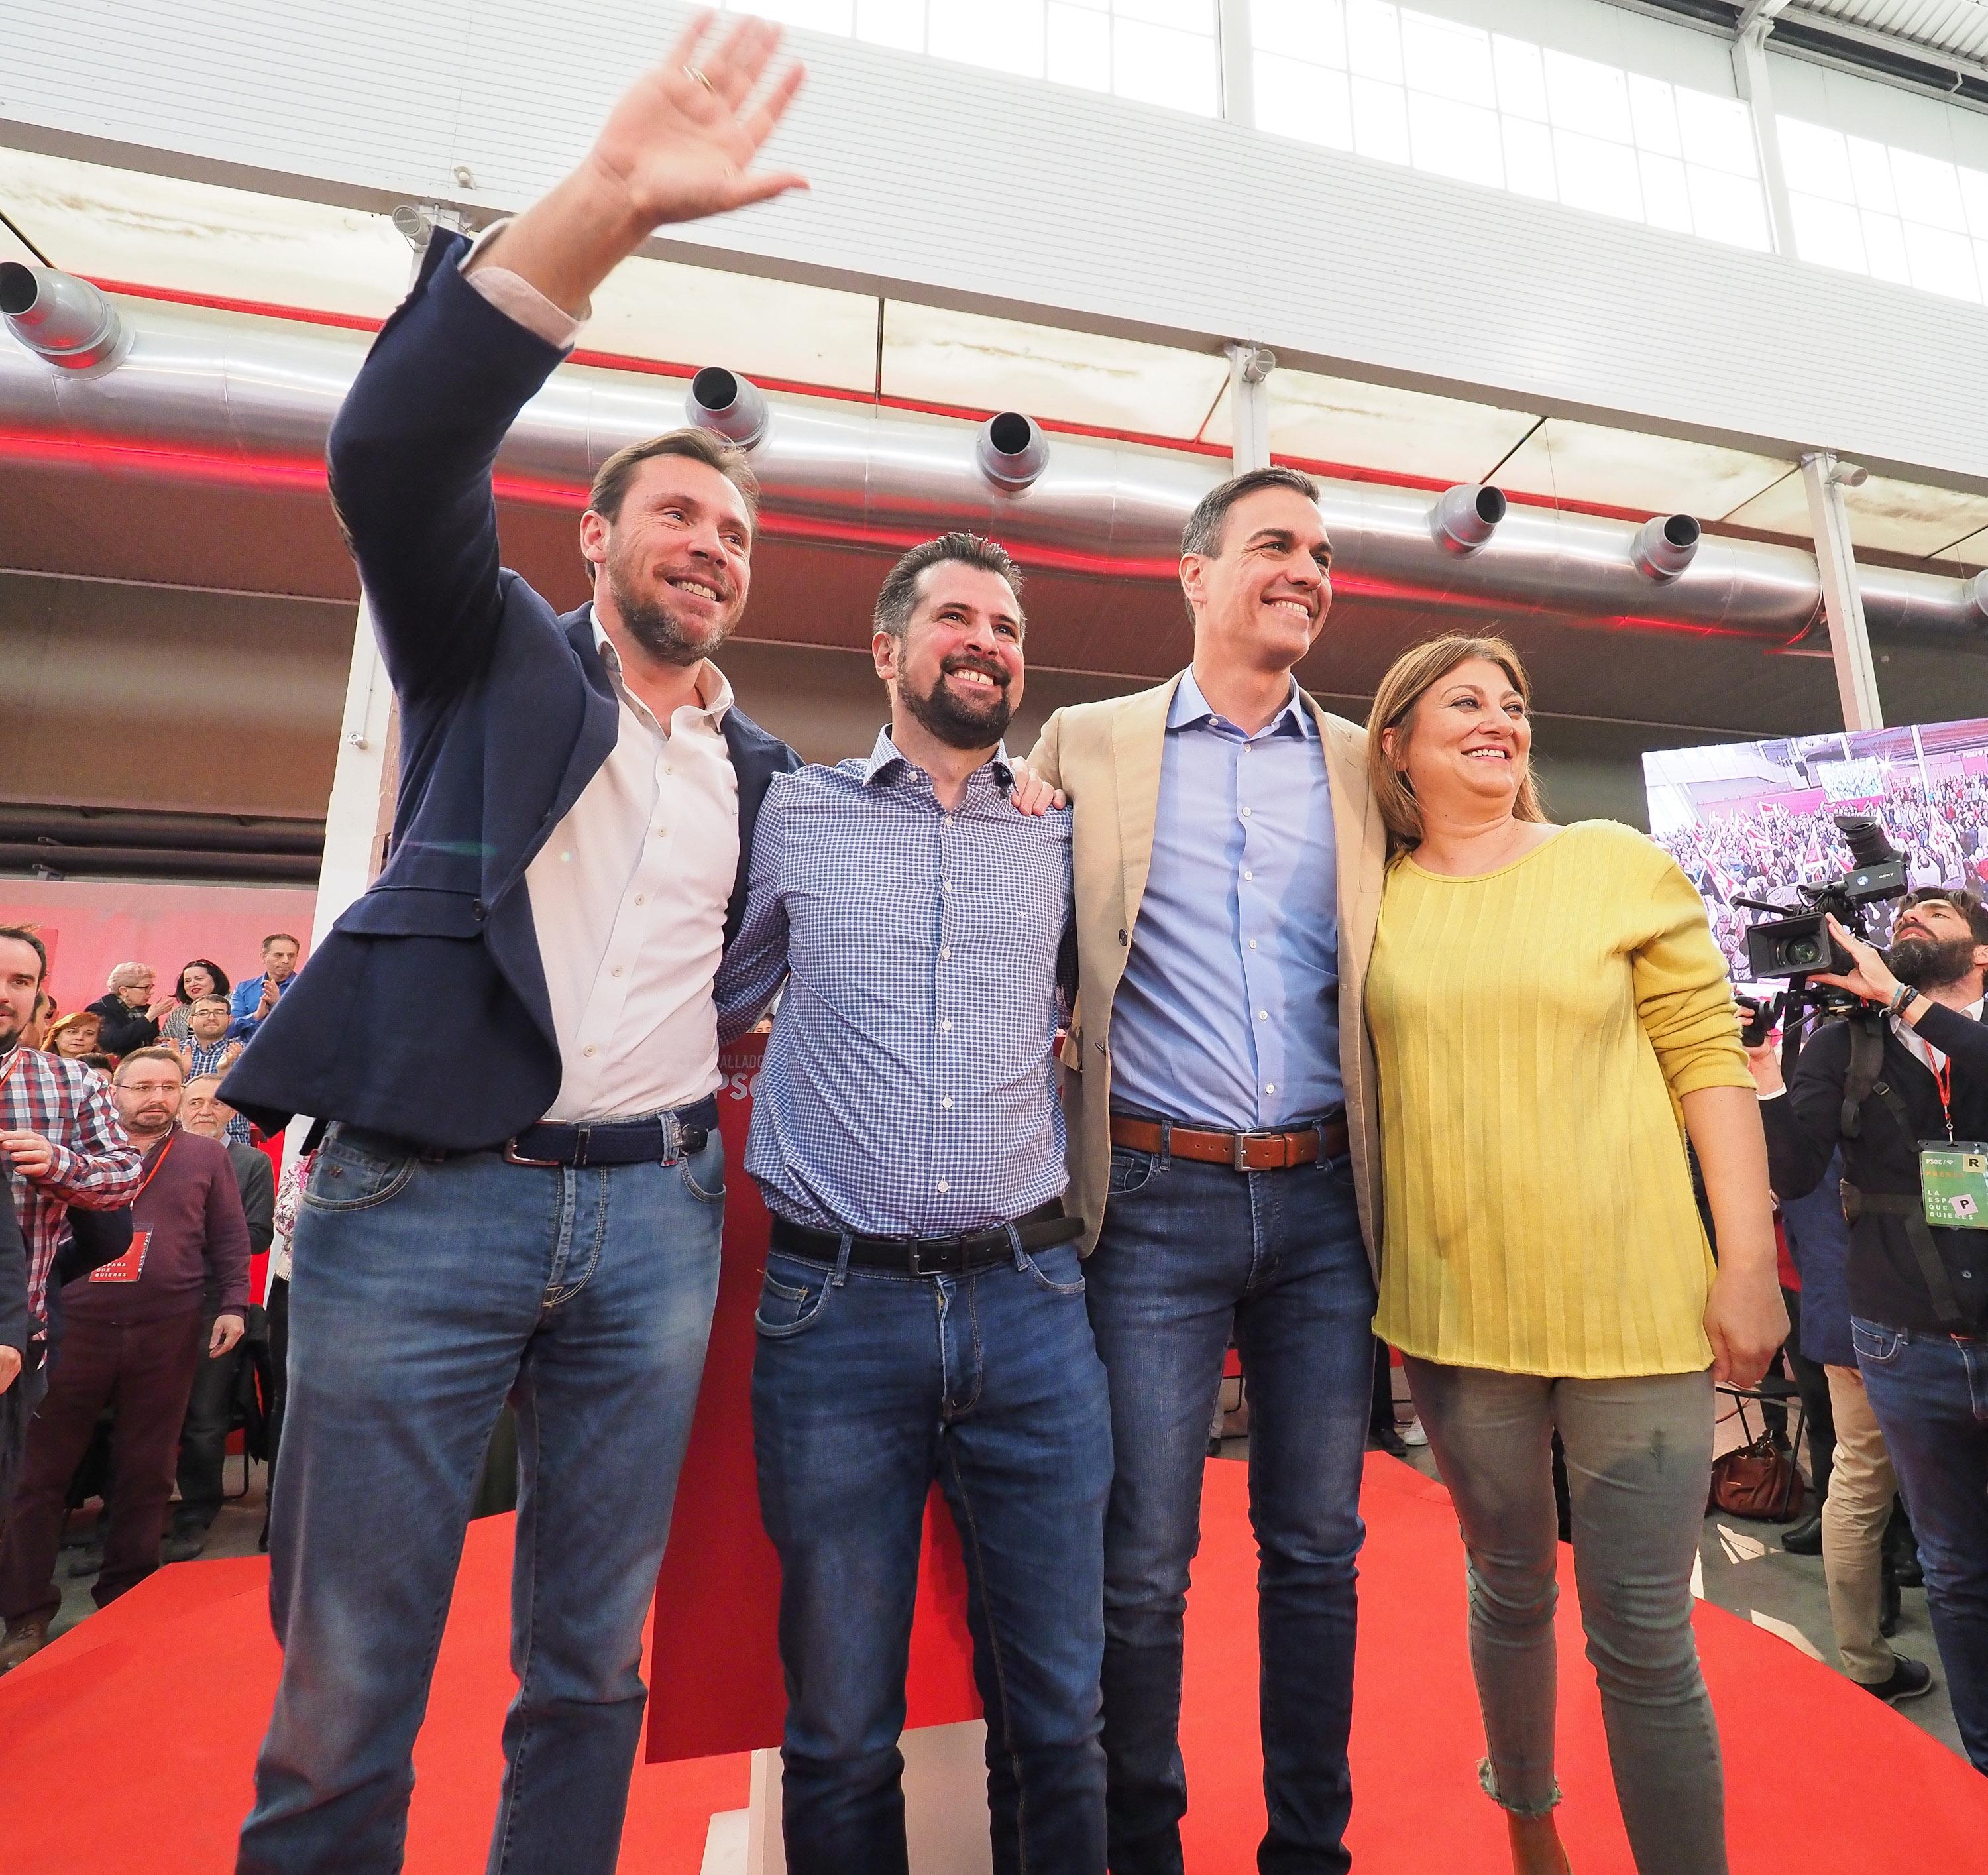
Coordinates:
<point>659,632</point>
<point>940,713</point>
<point>1925,965</point>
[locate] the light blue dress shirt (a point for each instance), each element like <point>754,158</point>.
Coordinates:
<point>908,1089</point>
<point>1229,1012</point>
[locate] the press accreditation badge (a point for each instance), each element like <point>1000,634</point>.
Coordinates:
<point>1953,1184</point>
<point>128,1267</point>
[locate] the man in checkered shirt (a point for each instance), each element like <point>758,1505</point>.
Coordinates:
<point>64,1144</point>
<point>922,1315</point>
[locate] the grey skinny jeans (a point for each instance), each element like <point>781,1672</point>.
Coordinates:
<point>1639,1465</point>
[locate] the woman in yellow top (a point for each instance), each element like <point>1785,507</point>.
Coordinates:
<point>1543,1002</point>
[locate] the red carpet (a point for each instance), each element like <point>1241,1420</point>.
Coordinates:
<point>125,1749</point>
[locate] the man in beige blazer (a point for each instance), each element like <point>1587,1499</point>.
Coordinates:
<point>1220,1098</point>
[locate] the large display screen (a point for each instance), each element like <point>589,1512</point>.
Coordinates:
<point>1754,819</point>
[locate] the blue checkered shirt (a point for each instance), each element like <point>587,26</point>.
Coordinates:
<point>907,1088</point>
<point>213,1058</point>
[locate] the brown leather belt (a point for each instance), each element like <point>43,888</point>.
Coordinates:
<point>1244,1152</point>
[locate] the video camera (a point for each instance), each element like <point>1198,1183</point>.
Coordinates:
<point>1798,945</point>
<point>1794,946</point>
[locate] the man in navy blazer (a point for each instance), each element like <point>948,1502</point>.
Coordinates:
<point>512,1033</point>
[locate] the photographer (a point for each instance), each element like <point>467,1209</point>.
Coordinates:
<point>1893,1088</point>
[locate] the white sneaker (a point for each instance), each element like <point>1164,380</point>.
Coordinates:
<point>1412,1432</point>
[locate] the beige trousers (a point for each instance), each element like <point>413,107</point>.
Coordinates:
<point>1853,1516</point>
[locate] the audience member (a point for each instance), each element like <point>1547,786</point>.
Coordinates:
<point>198,978</point>
<point>203,1437</point>
<point>73,1036</point>
<point>129,1016</point>
<point>254,998</point>
<point>1857,1504</point>
<point>98,1064</point>
<point>132,1338</point>
<point>276,1308</point>
<point>1811,1386</point>
<point>64,1146</point>
<point>14,1323</point>
<point>36,1034</point>
<point>210,1050</point>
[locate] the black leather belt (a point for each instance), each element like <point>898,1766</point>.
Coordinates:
<point>933,1256</point>
<point>598,1142</point>
<point>616,1142</point>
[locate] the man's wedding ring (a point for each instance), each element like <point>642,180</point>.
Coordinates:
<point>691,71</point>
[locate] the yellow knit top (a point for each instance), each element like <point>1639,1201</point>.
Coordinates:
<point>1534,1027</point>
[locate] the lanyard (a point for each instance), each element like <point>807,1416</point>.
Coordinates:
<point>1943,1079</point>
<point>154,1172</point>
<point>13,1061</point>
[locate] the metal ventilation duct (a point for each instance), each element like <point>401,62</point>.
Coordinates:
<point>263,390</point>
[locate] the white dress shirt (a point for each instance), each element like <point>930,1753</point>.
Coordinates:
<point>629,897</point>
<point>629,894</point>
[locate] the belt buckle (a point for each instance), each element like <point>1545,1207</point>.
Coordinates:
<point>513,1157</point>
<point>1239,1152</point>
<point>939,1245</point>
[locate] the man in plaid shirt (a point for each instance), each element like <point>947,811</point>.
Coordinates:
<point>64,1144</point>
<point>922,1317</point>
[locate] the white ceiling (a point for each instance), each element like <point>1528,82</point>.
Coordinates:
<point>934,356</point>
<point>1957,26</point>
<point>1658,475</point>
<point>1373,426</point>
<point>1900,517</point>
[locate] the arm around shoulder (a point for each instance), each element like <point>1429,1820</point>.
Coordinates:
<point>1046,758</point>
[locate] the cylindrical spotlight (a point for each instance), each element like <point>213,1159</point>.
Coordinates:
<point>61,318</point>
<point>1463,517</point>
<point>1011,451</point>
<point>722,401</point>
<point>1664,546</point>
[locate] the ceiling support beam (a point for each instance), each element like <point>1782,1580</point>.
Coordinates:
<point>1237,51</point>
<point>1824,477</point>
<point>1249,369</point>
<point>1749,74</point>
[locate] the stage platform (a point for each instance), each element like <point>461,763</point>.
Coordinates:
<point>126,1747</point>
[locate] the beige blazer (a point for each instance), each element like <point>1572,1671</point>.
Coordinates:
<point>1106,757</point>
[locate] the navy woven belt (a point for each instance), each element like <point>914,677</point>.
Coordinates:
<point>618,1142</point>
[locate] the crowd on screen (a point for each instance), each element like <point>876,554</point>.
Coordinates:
<point>132,1272</point>
<point>1767,853</point>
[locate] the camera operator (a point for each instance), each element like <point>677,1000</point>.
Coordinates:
<point>1894,1087</point>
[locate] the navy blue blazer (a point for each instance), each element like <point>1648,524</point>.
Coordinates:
<point>424,1012</point>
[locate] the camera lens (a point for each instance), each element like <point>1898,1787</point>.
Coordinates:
<point>1804,951</point>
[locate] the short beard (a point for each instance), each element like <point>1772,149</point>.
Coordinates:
<point>1925,965</point>
<point>939,713</point>
<point>650,624</point>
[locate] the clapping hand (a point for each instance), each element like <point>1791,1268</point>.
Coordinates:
<point>681,143</point>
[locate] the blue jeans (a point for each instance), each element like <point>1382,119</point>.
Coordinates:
<point>867,1385</point>
<point>423,1293</point>
<point>1930,1393</point>
<point>1188,1252</point>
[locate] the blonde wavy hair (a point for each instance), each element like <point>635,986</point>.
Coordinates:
<point>1416,671</point>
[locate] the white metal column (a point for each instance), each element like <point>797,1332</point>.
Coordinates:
<point>1238,55</point>
<point>1749,74</point>
<point>1822,476</point>
<point>1249,369</point>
